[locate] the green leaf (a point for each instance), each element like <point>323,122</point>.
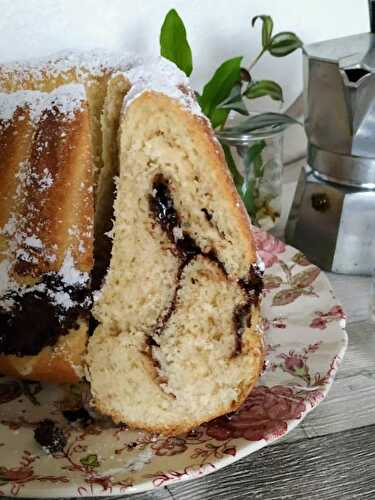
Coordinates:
<point>259,166</point>
<point>248,198</point>
<point>266,29</point>
<point>264,88</point>
<point>90,460</point>
<point>237,177</point>
<point>173,42</point>
<point>257,122</point>
<point>220,85</point>
<point>253,153</point>
<point>219,117</point>
<point>235,100</point>
<point>284,43</point>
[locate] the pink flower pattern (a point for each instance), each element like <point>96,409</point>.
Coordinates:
<point>268,247</point>
<point>170,446</point>
<point>264,415</point>
<point>277,322</point>
<point>322,319</point>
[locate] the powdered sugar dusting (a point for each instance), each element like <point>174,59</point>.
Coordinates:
<point>85,64</point>
<point>70,276</point>
<point>63,300</point>
<point>69,273</point>
<point>95,61</point>
<point>66,99</point>
<point>157,74</point>
<point>24,233</point>
<point>161,75</point>
<point>33,242</point>
<point>46,181</point>
<point>24,242</point>
<point>260,263</point>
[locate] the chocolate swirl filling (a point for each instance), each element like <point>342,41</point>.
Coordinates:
<point>165,214</point>
<point>36,320</point>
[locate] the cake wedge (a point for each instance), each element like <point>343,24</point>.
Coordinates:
<point>179,339</point>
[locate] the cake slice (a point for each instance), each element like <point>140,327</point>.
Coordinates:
<point>178,341</point>
<point>46,233</point>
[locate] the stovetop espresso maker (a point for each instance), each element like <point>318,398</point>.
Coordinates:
<point>332,219</point>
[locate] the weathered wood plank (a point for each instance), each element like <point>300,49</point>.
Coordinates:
<point>162,494</point>
<point>159,494</point>
<point>350,404</point>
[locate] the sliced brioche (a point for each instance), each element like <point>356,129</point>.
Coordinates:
<point>46,232</point>
<point>178,341</point>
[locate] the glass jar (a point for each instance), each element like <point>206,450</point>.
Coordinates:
<point>258,158</point>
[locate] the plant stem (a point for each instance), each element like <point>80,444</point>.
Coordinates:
<point>256,59</point>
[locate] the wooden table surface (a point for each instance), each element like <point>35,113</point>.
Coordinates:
<point>331,454</point>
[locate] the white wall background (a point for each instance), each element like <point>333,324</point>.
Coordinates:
<point>217,29</point>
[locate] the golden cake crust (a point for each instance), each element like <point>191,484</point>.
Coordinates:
<point>46,209</point>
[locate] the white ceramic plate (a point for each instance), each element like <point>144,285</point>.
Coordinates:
<point>306,342</point>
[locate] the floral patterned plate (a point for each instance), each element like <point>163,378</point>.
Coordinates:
<point>306,342</point>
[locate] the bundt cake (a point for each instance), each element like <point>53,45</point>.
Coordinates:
<point>46,233</point>
<point>176,336</point>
